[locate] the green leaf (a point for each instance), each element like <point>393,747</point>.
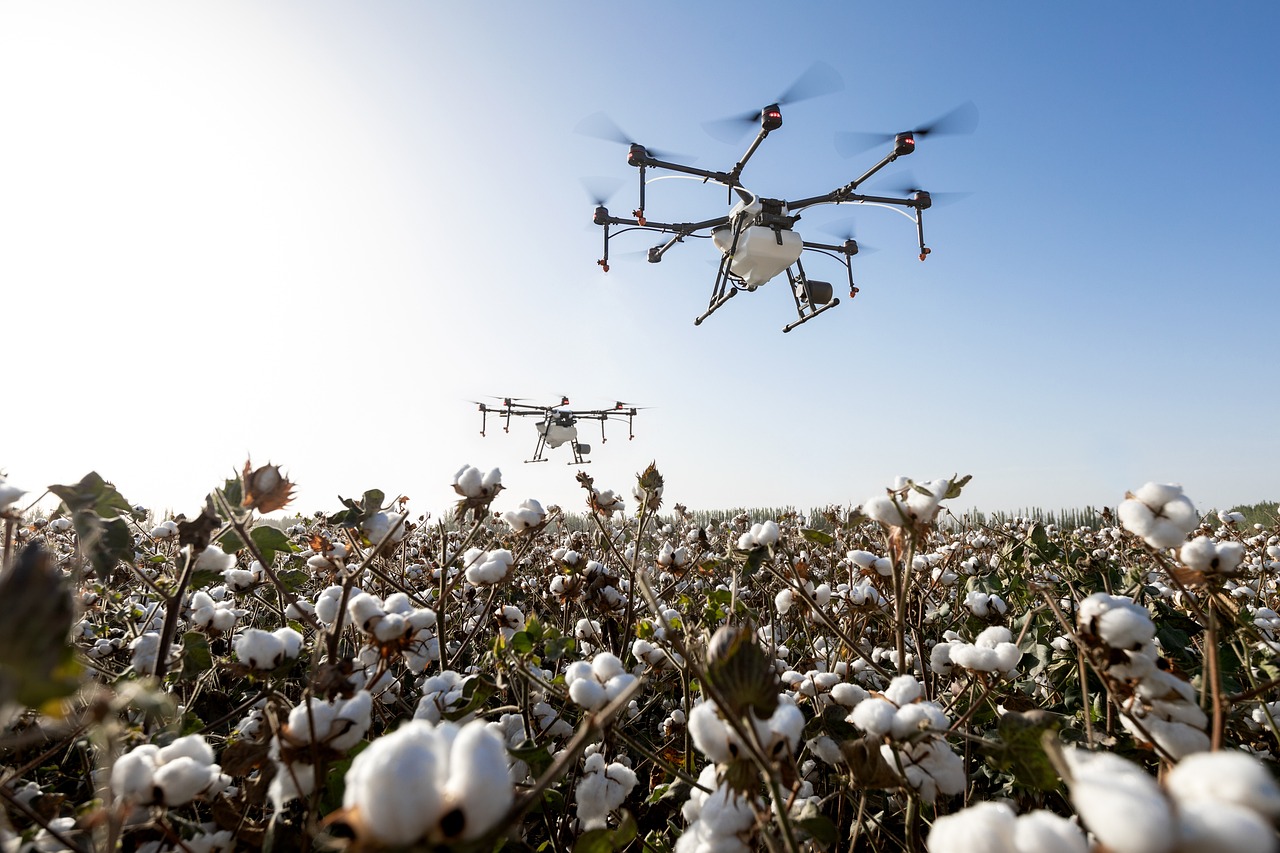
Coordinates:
<point>94,494</point>
<point>818,537</point>
<point>201,578</point>
<point>293,579</point>
<point>196,657</point>
<point>818,826</point>
<point>520,643</point>
<point>271,541</point>
<point>533,628</point>
<point>233,491</point>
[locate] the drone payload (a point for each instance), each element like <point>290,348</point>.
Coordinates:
<point>757,239</point>
<point>558,425</point>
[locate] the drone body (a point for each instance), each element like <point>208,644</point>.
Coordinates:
<point>557,425</point>
<point>757,239</point>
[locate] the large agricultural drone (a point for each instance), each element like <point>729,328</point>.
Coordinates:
<point>557,425</point>
<point>757,238</point>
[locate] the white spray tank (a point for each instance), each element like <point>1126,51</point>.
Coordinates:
<point>761,252</point>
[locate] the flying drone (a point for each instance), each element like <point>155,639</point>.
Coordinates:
<point>558,425</point>
<point>757,239</point>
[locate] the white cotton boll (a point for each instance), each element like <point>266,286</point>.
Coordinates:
<point>993,636</point>
<point>131,775</point>
<point>981,828</point>
<point>259,649</point>
<point>903,689</point>
<point>782,601</point>
<point>1217,827</point>
<point>364,609</point>
<point>766,533</point>
<point>874,716</point>
<point>384,526</point>
<point>862,559</point>
<point>478,783</point>
<point>194,747</point>
<point>1007,657</point>
<point>390,627</point>
<point>848,695</point>
<point>214,559</point>
<point>492,479</point>
<point>588,693</point>
<point>822,594</point>
<point>1226,777</point>
<point>1119,803</point>
<point>974,658</point>
<point>606,665</point>
<point>787,725</point>
<point>1043,831</point>
<point>393,787</point>
<point>239,579</point>
<point>577,671</point>
<point>913,719</point>
<point>1175,738</point>
<point>826,749</point>
<point>290,639</point>
<point>710,733</point>
<point>326,607</point>
<point>183,779</point>
<point>351,720</point>
<point>468,481</point>
<point>614,687</point>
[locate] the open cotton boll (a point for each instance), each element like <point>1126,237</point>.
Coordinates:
<point>903,689</point>
<point>1160,513</point>
<point>478,787</point>
<point>259,649</point>
<point>1043,831</point>
<point>602,789</point>
<point>1203,554</point>
<point>1116,620</point>
<point>1120,803</point>
<point>1224,777</point>
<point>874,716</point>
<point>131,775</point>
<point>393,788</point>
<point>711,735</point>
<point>183,779</point>
<point>981,828</point>
<point>529,514</point>
<point>1218,827</point>
<point>848,695</point>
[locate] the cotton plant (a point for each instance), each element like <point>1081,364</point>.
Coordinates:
<point>171,775</point>
<point>911,732</point>
<point>216,617</point>
<point>911,505</point>
<point>332,726</point>
<point>434,783</point>
<point>1156,705</point>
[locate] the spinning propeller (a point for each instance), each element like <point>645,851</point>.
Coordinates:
<point>820,79</point>
<point>963,119</point>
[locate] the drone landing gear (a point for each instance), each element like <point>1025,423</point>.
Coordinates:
<point>812,297</point>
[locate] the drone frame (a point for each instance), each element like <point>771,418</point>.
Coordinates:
<point>811,297</point>
<point>558,415</point>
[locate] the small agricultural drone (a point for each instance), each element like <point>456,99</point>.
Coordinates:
<point>756,239</point>
<point>557,425</point>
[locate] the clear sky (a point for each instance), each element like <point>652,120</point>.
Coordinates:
<point>313,232</point>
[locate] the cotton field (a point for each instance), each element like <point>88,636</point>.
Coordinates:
<point>625,674</point>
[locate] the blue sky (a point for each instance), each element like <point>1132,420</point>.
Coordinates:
<point>313,232</point>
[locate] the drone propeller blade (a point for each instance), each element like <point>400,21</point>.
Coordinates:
<point>600,126</point>
<point>818,80</point>
<point>601,189</point>
<point>961,120</point>
<point>843,230</point>
<point>908,185</point>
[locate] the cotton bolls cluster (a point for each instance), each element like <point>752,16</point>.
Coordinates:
<point>265,651</point>
<point>994,828</point>
<point>779,734</point>
<point>762,535</point>
<point>593,685</point>
<point>395,625</point>
<point>656,651</point>
<point>485,568</point>
<point>173,775</point>
<point>913,732</point>
<point>602,789</point>
<point>991,651</point>
<point>440,783</point>
<point>985,605</point>
<point>908,504</point>
<point>1158,706</point>
<point>527,516</point>
<point>720,821</point>
<point>1211,557</point>
<point>1213,802</point>
<point>240,580</point>
<point>672,559</point>
<point>334,726</point>
<point>218,617</point>
<point>471,482</point>
<point>1159,513</point>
